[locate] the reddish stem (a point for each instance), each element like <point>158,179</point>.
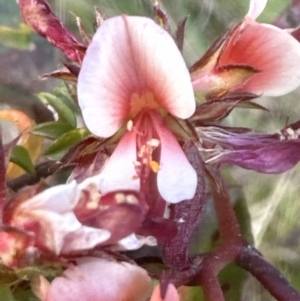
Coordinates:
<point>210,284</point>
<point>250,260</point>
<point>228,225</point>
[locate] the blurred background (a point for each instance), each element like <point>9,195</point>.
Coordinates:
<point>272,200</point>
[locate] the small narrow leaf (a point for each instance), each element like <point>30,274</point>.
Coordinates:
<point>179,37</point>
<point>20,156</point>
<point>65,114</point>
<point>52,129</point>
<point>161,16</point>
<point>61,146</point>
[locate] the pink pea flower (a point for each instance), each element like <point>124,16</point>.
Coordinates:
<point>250,58</point>
<point>96,279</point>
<point>49,216</point>
<point>73,217</point>
<point>132,77</point>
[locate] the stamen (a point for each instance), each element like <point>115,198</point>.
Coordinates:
<point>131,199</point>
<point>153,142</point>
<point>120,198</point>
<point>129,125</point>
<point>155,167</point>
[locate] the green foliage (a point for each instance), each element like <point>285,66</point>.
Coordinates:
<point>52,129</point>
<point>65,114</point>
<point>63,131</point>
<point>21,157</point>
<point>61,146</point>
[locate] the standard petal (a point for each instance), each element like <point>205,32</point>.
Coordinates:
<point>119,172</point>
<point>102,280</point>
<point>272,51</point>
<point>176,179</point>
<point>131,56</point>
<point>256,8</point>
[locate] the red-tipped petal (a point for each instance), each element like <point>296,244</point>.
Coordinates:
<point>131,55</point>
<point>272,51</point>
<point>119,172</point>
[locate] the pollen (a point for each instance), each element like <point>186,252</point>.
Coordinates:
<point>155,167</point>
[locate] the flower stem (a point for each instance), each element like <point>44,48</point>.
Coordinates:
<point>250,260</point>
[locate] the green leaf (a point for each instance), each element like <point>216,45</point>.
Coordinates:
<point>20,156</point>
<point>61,146</point>
<point>251,105</point>
<point>52,129</point>
<point>18,38</point>
<point>5,293</point>
<point>62,92</point>
<point>65,114</point>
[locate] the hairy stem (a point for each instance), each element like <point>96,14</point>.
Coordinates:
<point>250,260</point>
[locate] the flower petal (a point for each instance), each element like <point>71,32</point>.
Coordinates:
<point>266,153</point>
<point>102,280</point>
<point>119,172</point>
<point>256,8</point>
<point>131,55</point>
<point>275,158</point>
<point>171,294</point>
<point>49,215</point>
<point>134,242</point>
<point>272,51</point>
<point>176,179</point>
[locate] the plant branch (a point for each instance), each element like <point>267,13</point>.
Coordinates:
<point>42,170</point>
<point>250,260</point>
<point>228,225</point>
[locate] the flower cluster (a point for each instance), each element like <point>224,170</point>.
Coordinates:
<point>151,112</point>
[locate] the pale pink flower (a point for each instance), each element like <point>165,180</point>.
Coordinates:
<point>72,218</point>
<point>250,58</point>
<point>50,217</point>
<point>132,77</point>
<point>96,279</point>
